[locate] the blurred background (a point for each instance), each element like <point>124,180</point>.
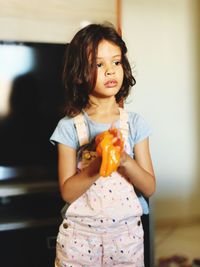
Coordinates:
<point>164,46</point>
<point>163,41</point>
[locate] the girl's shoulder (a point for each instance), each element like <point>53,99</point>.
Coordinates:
<point>65,133</point>
<point>138,126</point>
<point>66,124</point>
<point>136,118</point>
<point>133,115</point>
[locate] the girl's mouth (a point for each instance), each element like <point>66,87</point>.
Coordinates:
<point>110,83</point>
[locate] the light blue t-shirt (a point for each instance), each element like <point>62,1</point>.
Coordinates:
<point>65,133</point>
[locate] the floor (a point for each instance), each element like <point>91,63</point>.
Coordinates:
<point>177,240</point>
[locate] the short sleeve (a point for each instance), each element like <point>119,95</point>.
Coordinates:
<point>65,133</point>
<point>139,128</point>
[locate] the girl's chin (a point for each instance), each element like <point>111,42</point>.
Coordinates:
<point>104,96</point>
<point>108,92</point>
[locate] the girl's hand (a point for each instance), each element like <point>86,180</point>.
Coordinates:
<point>117,140</point>
<point>123,159</point>
<point>109,146</point>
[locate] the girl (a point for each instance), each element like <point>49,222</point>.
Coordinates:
<point>102,224</point>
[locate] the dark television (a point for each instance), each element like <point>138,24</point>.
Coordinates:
<point>31,94</point>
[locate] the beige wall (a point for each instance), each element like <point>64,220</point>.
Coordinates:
<point>163,41</point>
<point>50,20</point>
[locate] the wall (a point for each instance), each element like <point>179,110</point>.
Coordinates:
<point>163,41</point>
<point>51,20</point>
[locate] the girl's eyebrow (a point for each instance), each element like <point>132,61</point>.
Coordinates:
<point>111,57</point>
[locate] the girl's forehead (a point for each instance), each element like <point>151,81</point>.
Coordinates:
<point>107,48</point>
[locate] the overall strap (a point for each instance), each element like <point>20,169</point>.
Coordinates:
<point>124,127</point>
<point>81,129</point>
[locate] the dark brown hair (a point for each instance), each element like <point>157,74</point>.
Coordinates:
<point>79,74</point>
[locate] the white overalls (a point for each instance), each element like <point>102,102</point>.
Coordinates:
<point>103,226</point>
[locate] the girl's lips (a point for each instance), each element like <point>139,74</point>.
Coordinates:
<point>110,83</point>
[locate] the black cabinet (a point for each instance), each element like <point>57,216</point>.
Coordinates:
<point>29,225</point>
<point>29,247</point>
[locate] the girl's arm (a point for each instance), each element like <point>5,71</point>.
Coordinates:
<point>139,171</point>
<point>73,184</point>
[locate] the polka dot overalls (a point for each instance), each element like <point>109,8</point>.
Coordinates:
<point>103,226</point>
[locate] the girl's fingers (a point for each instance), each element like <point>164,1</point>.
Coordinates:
<point>115,132</point>
<point>114,140</point>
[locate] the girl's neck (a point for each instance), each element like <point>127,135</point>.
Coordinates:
<point>103,110</point>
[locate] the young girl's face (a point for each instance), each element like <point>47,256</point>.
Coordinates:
<point>109,70</point>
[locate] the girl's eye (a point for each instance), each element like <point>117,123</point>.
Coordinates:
<point>117,63</point>
<point>99,65</point>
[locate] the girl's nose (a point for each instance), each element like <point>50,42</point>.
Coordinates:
<point>110,71</point>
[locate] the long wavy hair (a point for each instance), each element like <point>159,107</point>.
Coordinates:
<point>80,73</point>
